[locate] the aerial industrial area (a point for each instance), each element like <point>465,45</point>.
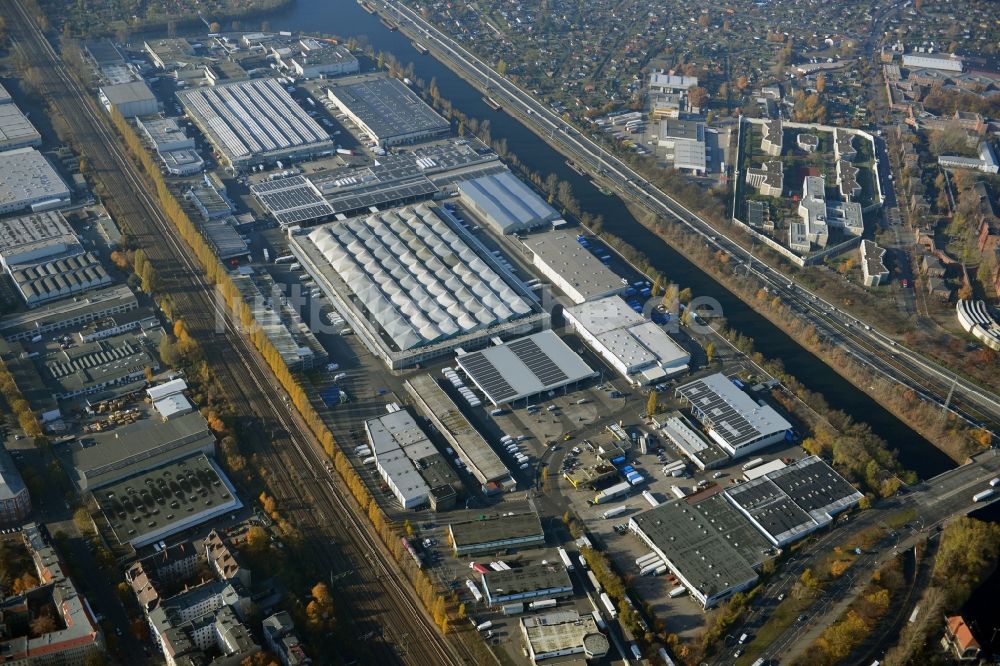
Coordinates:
<point>302,364</point>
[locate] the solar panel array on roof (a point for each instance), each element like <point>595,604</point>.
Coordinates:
<point>524,367</point>
<point>292,200</point>
<point>540,364</point>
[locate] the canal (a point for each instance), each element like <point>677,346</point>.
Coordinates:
<point>346,18</point>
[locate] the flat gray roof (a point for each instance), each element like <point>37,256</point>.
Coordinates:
<point>28,233</point>
<point>524,367</point>
<point>388,108</point>
<point>26,177</point>
<point>123,93</point>
<point>496,528</point>
<point>527,580</point>
<point>4,95</point>
<point>15,128</point>
<point>790,502</point>
<point>101,458</point>
<point>166,500</point>
<point>88,307</point>
<point>506,202</point>
<point>564,632</point>
<point>469,444</point>
<point>696,548</point>
<point>574,264</point>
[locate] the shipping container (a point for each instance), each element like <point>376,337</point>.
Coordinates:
<point>660,570</point>
<point>599,619</point>
<point>479,567</point>
<point>678,591</point>
<point>484,626</point>
<point>650,568</point>
<point>567,562</point>
<point>370,460</point>
<point>504,565</point>
<point>496,566</point>
<point>611,493</point>
<point>627,469</point>
<point>983,495</point>
<point>648,496</point>
<point>678,492</point>
<point>646,559</point>
<point>756,462</point>
<point>544,603</point>
<point>593,581</point>
<point>609,605</point>
<point>995,482</point>
<point>513,609</point>
<point>617,511</point>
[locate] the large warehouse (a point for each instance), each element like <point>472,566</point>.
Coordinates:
<point>16,131</point>
<point>410,285</point>
<point>27,180</point>
<point>28,238</point>
<point>387,111</point>
<point>57,278</point>
<point>571,267</point>
<point>637,348</point>
<point>130,99</point>
<point>734,420</point>
<point>506,203</point>
<point>402,451</point>
<point>794,501</point>
<point>529,582</point>
<point>709,545</point>
<point>523,368</point>
<point>254,121</point>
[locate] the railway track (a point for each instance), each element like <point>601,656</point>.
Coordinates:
<point>337,534</point>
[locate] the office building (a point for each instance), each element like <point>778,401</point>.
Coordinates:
<point>312,58</point>
<point>873,267</point>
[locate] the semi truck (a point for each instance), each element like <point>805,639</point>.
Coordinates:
<point>983,495</point>
<point>543,604</point>
<point>474,589</point>
<point>593,581</point>
<point>567,562</point>
<point>609,605</point>
<point>756,462</point>
<point>617,511</point>
<point>678,591</point>
<point>648,496</point>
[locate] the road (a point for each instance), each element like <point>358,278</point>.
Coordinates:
<point>932,503</point>
<point>371,591</point>
<point>970,402</point>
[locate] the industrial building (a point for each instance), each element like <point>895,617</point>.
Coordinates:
<point>311,58</point>
<point>571,267</point>
<point>873,267</point>
<point>169,52</point>
<point>734,420</point>
<point>100,458</point>
<point>52,279</point>
<point>562,634</point>
<point>28,238</point>
<point>684,141</point>
<point>701,451</point>
<point>402,450</point>
<point>985,162</point>
<point>467,442</point>
<point>387,111</point>
<point>92,367</point>
<point>412,286</point>
<point>634,346</point>
<point>496,533</point>
<point>27,180</point>
<point>68,313</point>
<point>160,502</point>
<point>666,83</point>
<point>21,366</point>
<point>709,545</point>
<point>254,121</point>
<point>506,203</point>
<point>789,503</point>
<point>130,99</point>
<point>176,149</point>
<point>292,201</point>
<point>551,581</point>
<point>946,61</point>
<point>168,399</point>
<point>16,131</point>
<point>15,502</point>
<point>524,368</point>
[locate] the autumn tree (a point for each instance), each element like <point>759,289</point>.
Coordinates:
<point>697,96</point>
<point>710,351</point>
<point>651,403</point>
<point>257,539</point>
<point>319,611</point>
